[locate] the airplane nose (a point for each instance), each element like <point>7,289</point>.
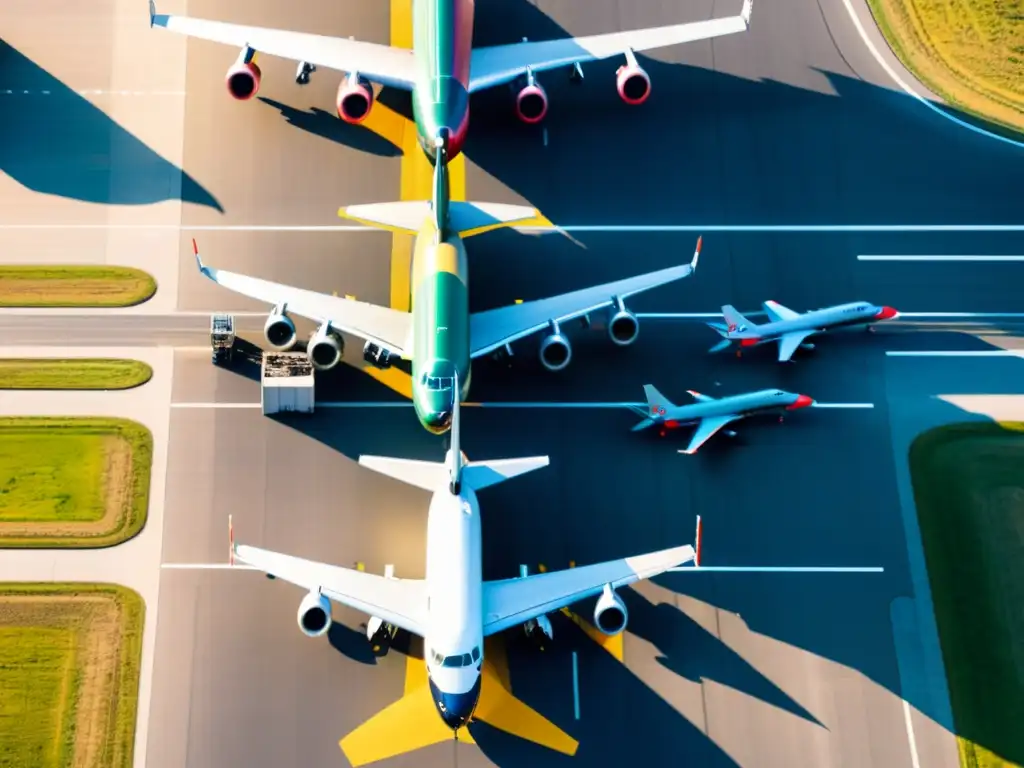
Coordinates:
<point>439,421</point>
<point>802,401</point>
<point>455,709</point>
<point>887,313</point>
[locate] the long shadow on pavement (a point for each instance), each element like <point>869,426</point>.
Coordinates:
<point>56,142</point>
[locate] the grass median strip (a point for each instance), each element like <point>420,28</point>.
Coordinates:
<point>74,286</point>
<point>70,656</point>
<point>969,491</point>
<point>72,373</point>
<point>72,482</point>
<point>969,52</point>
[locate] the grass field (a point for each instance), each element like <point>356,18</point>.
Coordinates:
<point>969,52</point>
<point>70,656</point>
<point>969,490</point>
<point>72,482</point>
<point>74,286</point>
<point>72,373</point>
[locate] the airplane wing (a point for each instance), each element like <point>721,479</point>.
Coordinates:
<point>706,430</point>
<point>499,64</point>
<point>402,602</point>
<point>788,343</point>
<point>386,327</point>
<point>511,602</point>
<point>776,312</point>
<point>394,67</point>
<point>494,328</point>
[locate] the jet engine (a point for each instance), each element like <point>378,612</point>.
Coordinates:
<point>610,614</point>
<point>325,348</point>
<point>243,79</point>
<point>623,326</point>
<point>314,615</point>
<point>355,98</point>
<point>632,81</point>
<point>279,331</point>
<point>531,101</point>
<point>555,352</point>
<point>377,356</point>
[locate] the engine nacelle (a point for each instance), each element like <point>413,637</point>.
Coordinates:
<point>531,101</point>
<point>610,614</point>
<point>555,352</point>
<point>632,82</point>
<point>325,348</point>
<point>314,615</point>
<point>279,331</point>
<point>355,98</point>
<point>623,326</point>
<point>243,80</point>
<point>377,356</point>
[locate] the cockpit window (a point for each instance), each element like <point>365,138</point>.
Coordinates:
<point>453,661</point>
<point>440,383</point>
<point>476,653</point>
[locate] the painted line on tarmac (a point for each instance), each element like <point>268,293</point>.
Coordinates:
<point>621,228</point>
<point>207,567</point>
<point>777,569</point>
<point>760,313</point>
<point>575,687</point>
<point>378,404</point>
<point>940,258</point>
<point>910,91</point>
<point>84,92</point>
<point>958,353</point>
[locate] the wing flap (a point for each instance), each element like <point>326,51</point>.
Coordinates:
<point>401,602</point>
<point>502,63</point>
<point>382,63</point>
<point>511,602</point>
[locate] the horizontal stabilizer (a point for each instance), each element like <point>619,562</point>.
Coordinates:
<point>428,475</point>
<point>482,474</point>
<point>470,219</point>
<point>721,346</point>
<point>406,217</point>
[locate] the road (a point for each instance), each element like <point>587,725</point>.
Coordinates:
<point>792,124</point>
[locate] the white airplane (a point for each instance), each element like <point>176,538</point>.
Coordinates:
<point>453,609</point>
<point>443,68</point>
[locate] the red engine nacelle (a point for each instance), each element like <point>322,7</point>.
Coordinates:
<point>355,98</point>
<point>633,83</point>
<point>532,103</point>
<point>243,80</point>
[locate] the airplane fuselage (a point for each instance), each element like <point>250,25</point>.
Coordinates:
<point>454,640</point>
<point>440,310</point>
<point>443,44</point>
<point>746,404</point>
<point>842,317</point>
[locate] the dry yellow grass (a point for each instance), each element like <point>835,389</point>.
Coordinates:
<point>71,655</point>
<point>969,52</point>
<point>74,286</point>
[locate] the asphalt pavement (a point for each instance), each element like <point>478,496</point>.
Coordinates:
<point>791,124</point>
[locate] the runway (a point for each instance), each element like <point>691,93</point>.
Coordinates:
<point>793,122</point>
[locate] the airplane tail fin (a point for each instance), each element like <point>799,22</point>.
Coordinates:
<point>735,321</point>
<point>657,404</point>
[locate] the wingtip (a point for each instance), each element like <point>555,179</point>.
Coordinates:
<point>696,252</point>
<point>696,544</point>
<point>195,252</point>
<point>152,12</point>
<point>748,6</point>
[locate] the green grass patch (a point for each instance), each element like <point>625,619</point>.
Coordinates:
<point>74,286</point>
<point>969,490</point>
<point>70,656</point>
<point>72,373</point>
<point>72,482</point>
<point>969,52</point>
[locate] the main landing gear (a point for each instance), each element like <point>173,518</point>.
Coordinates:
<point>303,72</point>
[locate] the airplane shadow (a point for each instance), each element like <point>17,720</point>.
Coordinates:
<point>55,142</point>
<point>327,125</point>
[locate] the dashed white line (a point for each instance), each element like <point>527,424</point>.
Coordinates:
<point>84,92</point>
<point>940,258</point>
<point>957,353</point>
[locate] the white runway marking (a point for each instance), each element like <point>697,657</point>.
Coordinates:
<point>207,567</point>
<point>776,569</point>
<point>940,258</point>
<point>216,405</point>
<point>372,404</point>
<point>575,687</point>
<point>910,735</point>
<point>958,353</point>
<point>85,92</point>
<point>912,93</point>
<point>621,228</point>
<point>843,405</point>
<point>718,315</point>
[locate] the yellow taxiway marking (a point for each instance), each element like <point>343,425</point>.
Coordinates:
<point>614,644</point>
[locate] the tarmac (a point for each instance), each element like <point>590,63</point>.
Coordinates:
<point>793,124</point>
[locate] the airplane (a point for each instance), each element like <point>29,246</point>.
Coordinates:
<point>453,609</point>
<point>440,335</point>
<point>791,328</point>
<point>443,69</point>
<point>711,414</point>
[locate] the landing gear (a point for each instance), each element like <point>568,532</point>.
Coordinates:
<point>381,640</point>
<point>303,72</point>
